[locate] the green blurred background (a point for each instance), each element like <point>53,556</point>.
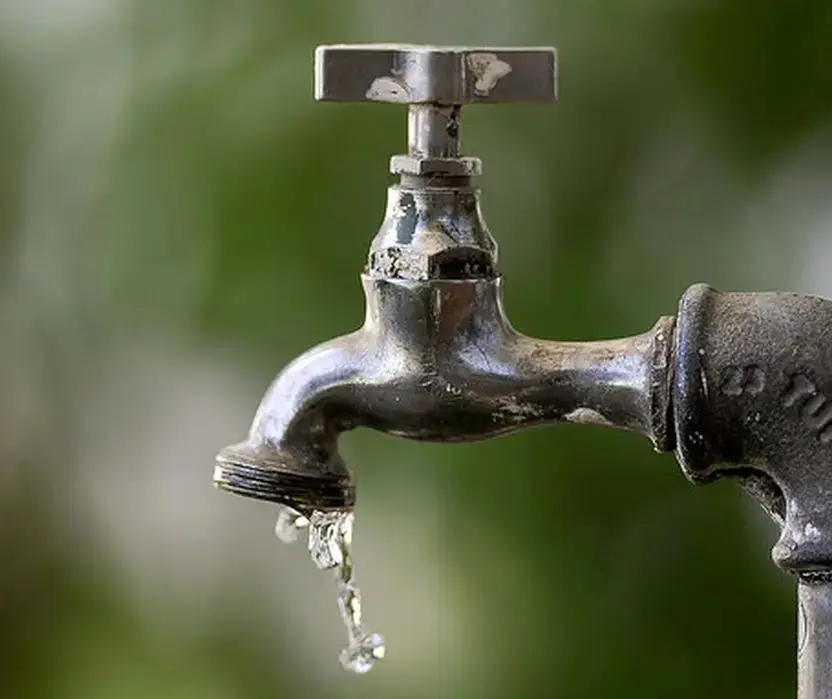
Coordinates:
<point>179,218</point>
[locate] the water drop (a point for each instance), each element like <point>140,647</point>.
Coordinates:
<point>360,655</point>
<point>330,533</point>
<point>330,546</point>
<point>289,524</point>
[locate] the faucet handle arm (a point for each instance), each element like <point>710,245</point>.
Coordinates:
<point>435,82</point>
<point>407,74</point>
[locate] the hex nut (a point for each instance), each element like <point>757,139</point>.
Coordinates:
<point>451,263</point>
<point>454,167</point>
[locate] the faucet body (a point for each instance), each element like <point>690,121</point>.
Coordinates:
<point>738,384</point>
<point>437,360</point>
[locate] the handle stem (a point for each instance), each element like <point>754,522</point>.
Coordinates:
<point>433,131</point>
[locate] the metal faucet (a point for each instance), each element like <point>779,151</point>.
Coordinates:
<point>739,385</point>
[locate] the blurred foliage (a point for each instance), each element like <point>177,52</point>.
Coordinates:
<point>166,175</point>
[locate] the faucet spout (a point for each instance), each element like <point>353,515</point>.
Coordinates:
<point>290,456</point>
<point>437,361</point>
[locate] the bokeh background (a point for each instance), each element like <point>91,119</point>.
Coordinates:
<point>179,218</point>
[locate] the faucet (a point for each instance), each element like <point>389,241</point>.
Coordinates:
<point>739,385</point>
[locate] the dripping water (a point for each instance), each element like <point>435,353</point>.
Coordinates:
<point>330,546</point>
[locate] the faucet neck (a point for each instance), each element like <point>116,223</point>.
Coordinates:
<point>433,229</point>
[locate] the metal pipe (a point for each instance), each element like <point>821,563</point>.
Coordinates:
<point>814,638</point>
